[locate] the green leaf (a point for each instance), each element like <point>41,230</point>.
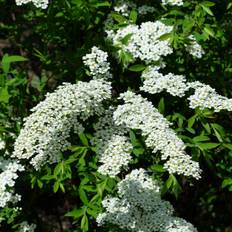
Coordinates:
<point>209,31</point>
<point>75,213</point>
<point>84,139</point>
<point>83,196</point>
<point>227,145</point>
<point>207,146</point>
<point>138,151</point>
<point>157,168</point>
<point>191,121</point>
<point>84,223</point>
<point>102,4</point>
<point>165,36</point>
<point>206,9</point>
<point>56,186</point>
<point>137,68</point>
<point>4,95</point>
<point>208,3</point>
<point>201,138</point>
<point>161,106</point>
<point>133,16</point>
<point>126,38</point>
<point>226,182</point>
<point>119,18</point>
<point>7,60</point>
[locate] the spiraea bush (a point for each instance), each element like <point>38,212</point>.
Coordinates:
<point>115,116</point>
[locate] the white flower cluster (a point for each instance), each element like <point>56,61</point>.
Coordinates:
<point>139,207</point>
<point>173,2</point>
<point>145,9</point>
<point>156,82</point>
<point>2,144</point>
<point>144,41</point>
<point>124,7</point>
<point>38,3</point>
<point>204,96</point>
<point>207,97</point>
<point>25,227</point>
<point>112,146</point>
<point>195,48</point>
<point>47,129</point>
<point>8,177</point>
<point>97,63</point>
<point>138,113</point>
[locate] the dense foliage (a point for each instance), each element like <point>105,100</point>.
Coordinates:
<point>115,115</point>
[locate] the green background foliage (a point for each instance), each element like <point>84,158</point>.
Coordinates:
<point>42,48</point>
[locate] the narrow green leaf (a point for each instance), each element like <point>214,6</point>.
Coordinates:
<point>133,16</point>
<point>137,68</point>
<point>83,196</point>
<point>75,213</point>
<point>207,146</point>
<point>84,139</point>
<point>119,18</point>
<point>161,106</point>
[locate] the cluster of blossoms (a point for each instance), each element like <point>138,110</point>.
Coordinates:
<point>112,146</point>
<point>47,129</point>
<point>38,3</point>
<point>2,144</point>
<point>8,177</point>
<point>195,48</point>
<point>97,63</point>
<point>138,113</point>
<point>204,96</point>
<point>144,40</point>
<point>173,2</point>
<point>207,97</point>
<point>26,227</point>
<point>124,8</point>
<point>139,207</point>
<point>156,82</point>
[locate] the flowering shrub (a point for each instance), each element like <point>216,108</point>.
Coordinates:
<point>117,119</point>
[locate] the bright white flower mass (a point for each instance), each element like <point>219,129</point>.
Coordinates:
<point>97,63</point>
<point>173,2</point>
<point>46,130</point>
<point>195,48</point>
<point>8,176</point>
<point>204,96</point>
<point>207,97</point>
<point>124,7</point>
<point>38,3</point>
<point>143,41</point>
<point>2,144</point>
<point>26,227</point>
<point>113,147</point>
<point>139,207</point>
<point>138,113</point>
<point>156,82</point>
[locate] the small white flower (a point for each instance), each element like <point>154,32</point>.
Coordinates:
<point>173,2</point>
<point>97,63</point>
<point>43,4</point>
<point>8,176</point>
<point>25,227</point>
<point>194,48</point>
